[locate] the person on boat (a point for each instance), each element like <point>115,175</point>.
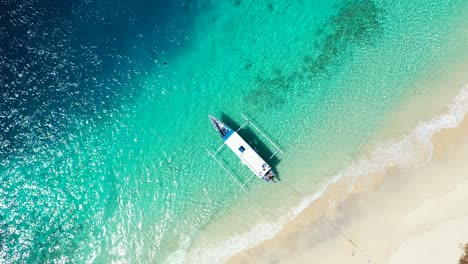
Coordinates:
<point>271,177</point>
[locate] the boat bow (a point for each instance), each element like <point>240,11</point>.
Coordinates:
<point>223,130</point>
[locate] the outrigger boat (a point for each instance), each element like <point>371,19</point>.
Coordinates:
<point>243,151</point>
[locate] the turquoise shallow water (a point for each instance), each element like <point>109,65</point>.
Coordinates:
<point>113,167</point>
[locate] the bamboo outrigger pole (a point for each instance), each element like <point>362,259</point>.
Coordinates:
<point>227,171</point>
<point>263,134</point>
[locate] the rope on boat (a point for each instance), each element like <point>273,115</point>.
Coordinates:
<point>328,220</point>
<point>332,224</point>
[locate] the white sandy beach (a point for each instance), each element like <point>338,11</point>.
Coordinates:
<point>408,213</point>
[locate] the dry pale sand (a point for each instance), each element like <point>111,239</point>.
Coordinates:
<point>407,214</point>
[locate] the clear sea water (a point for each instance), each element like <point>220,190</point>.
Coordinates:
<point>104,104</point>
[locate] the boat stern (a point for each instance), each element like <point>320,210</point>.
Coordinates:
<point>269,176</point>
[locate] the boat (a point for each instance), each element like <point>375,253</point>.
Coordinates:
<point>243,151</point>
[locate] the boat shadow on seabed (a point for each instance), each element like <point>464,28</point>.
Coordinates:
<point>250,137</point>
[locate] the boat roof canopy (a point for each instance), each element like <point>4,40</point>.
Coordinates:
<point>248,155</point>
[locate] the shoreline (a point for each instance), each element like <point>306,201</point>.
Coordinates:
<point>308,236</point>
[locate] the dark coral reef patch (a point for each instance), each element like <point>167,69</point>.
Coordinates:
<point>356,23</point>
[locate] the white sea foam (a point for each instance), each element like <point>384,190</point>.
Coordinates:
<point>413,150</point>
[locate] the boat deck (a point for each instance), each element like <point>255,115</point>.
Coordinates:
<point>247,154</point>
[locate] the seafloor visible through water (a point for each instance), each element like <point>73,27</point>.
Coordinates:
<point>104,104</point>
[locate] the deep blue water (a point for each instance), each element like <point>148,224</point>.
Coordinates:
<point>79,58</point>
<point>65,66</point>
